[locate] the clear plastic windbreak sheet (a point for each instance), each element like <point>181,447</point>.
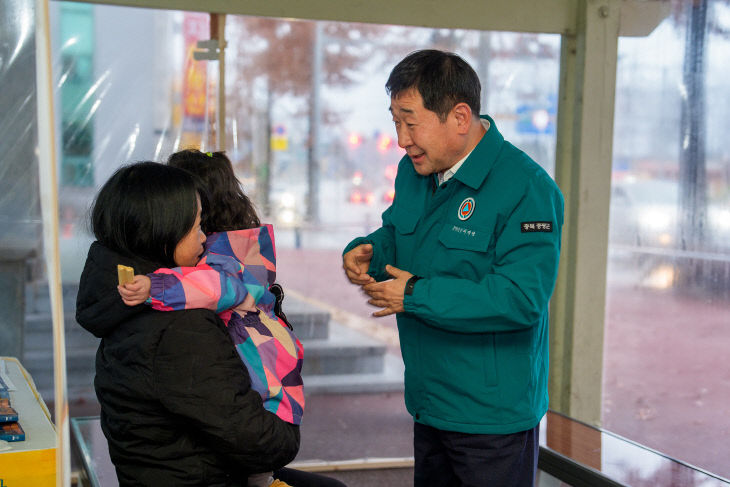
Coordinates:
<point>118,78</point>
<point>20,220</point>
<point>119,82</point>
<point>19,207</point>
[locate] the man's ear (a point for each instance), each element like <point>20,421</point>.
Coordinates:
<point>463,116</point>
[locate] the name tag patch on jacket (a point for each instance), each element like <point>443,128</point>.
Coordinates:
<point>528,227</point>
<point>464,231</point>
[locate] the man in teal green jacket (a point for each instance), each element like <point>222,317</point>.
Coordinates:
<point>467,258</point>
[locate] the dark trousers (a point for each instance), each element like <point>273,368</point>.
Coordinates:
<point>451,459</point>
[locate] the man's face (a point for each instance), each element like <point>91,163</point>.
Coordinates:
<point>428,142</point>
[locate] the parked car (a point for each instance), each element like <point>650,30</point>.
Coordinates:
<point>644,224</point>
<point>645,213</point>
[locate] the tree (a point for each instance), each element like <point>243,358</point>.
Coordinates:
<point>294,58</point>
<point>274,58</point>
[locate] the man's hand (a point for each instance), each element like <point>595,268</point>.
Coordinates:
<point>135,292</point>
<point>356,263</point>
<point>388,294</point>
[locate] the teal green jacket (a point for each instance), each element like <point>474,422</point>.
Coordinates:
<point>474,333</point>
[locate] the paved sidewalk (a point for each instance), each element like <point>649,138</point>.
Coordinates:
<point>667,374</point>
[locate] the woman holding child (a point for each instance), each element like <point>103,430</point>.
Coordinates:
<point>177,404</point>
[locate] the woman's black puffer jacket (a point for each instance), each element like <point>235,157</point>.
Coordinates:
<point>177,406</point>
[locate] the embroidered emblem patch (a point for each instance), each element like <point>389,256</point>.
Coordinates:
<point>536,227</point>
<point>466,208</point>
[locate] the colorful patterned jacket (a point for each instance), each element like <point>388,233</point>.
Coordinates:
<point>235,264</point>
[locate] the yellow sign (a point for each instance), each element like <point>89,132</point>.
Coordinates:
<point>31,462</point>
<point>279,143</point>
<point>28,468</point>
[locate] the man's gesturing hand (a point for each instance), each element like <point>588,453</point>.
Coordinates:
<point>356,263</point>
<point>388,294</point>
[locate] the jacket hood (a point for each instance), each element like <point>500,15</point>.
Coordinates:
<point>99,307</point>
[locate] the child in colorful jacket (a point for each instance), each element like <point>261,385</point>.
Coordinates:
<point>235,278</point>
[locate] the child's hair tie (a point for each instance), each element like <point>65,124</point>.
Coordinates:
<point>209,154</point>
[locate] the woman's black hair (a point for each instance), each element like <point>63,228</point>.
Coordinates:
<point>145,209</point>
<point>229,208</point>
<point>443,80</point>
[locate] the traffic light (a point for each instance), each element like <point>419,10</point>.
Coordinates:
<point>385,142</point>
<point>354,139</point>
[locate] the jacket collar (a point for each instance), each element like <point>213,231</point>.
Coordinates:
<point>481,160</point>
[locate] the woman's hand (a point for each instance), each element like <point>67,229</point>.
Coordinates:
<point>135,292</point>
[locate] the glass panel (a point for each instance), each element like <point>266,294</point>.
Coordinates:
<point>613,457</point>
<point>311,140</point>
<point>666,373</point>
